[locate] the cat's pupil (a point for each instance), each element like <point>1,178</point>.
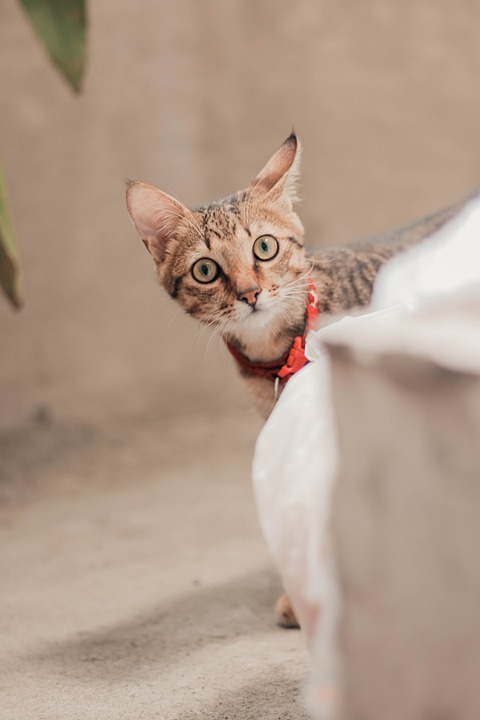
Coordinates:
<point>204,270</point>
<point>264,246</point>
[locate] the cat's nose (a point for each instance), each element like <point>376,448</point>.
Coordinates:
<point>250,295</point>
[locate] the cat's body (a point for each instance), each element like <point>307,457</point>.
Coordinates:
<point>239,264</point>
<point>343,278</point>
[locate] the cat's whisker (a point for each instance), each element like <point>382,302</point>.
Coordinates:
<point>300,284</point>
<point>226,329</point>
<point>293,298</point>
<point>220,329</point>
<point>215,321</point>
<point>285,311</point>
<point>173,318</point>
<point>214,332</point>
<point>302,277</point>
<point>202,329</point>
<point>294,292</point>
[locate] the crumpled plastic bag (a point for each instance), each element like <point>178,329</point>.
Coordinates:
<point>297,460</point>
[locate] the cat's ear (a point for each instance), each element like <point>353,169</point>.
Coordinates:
<point>155,215</point>
<point>278,179</point>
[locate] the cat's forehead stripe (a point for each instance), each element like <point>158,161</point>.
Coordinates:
<point>219,222</point>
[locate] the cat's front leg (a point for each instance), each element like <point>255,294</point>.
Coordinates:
<point>285,614</point>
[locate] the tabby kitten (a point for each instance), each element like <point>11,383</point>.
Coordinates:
<point>240,264</point>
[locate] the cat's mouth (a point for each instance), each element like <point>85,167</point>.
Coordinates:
<point>254,310</point>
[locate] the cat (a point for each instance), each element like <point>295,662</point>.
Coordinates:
<point>239,264</point>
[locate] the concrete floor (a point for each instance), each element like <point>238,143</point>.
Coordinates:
<point>135,581</point>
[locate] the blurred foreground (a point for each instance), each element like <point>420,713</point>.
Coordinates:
<point>366,478</point>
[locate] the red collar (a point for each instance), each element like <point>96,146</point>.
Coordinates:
<point>294,359</point>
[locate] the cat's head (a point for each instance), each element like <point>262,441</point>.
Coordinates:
<point>238,262</point>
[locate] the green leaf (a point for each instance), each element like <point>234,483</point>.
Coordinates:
<point>9,268</point>
<point>61,25</point>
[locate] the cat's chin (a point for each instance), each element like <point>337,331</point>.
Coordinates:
<point>257,329</point>
<point>260,319</point>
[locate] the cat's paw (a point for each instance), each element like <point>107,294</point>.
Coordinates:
<point>285,614</point>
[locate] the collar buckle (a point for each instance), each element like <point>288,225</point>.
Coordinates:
<point>296,359</point>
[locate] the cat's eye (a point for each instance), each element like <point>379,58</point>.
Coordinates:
<point>205,270</point>
<point>265,247</point>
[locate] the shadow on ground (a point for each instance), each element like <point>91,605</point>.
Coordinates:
<point>171,632</point>
<point>274,696</point>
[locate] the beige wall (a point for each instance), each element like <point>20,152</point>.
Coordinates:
<point>193,95</point>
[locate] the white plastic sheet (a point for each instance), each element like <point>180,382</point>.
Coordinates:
<point>296,460</point>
